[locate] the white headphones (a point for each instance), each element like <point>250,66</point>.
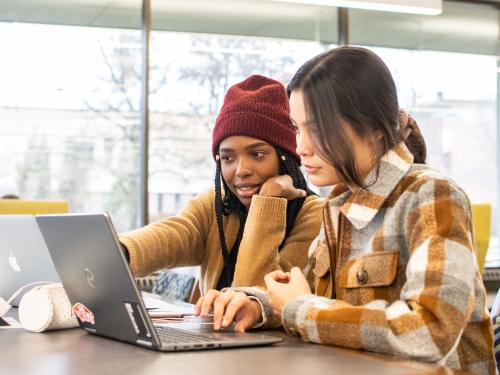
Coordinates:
<point>45,307</point>
<point>6,305</point>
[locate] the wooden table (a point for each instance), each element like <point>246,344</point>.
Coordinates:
<point>77,353</point>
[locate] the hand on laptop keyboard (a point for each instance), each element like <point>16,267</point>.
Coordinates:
<point>229,307</point>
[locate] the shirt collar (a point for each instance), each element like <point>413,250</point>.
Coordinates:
<point>361,206</point>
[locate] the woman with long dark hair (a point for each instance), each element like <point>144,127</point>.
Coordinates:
<point>259,217</point>
<point>393,270</point>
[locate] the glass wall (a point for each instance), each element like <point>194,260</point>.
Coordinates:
<point>69,114</point>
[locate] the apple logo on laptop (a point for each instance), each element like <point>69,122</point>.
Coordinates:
<point>13,263</point>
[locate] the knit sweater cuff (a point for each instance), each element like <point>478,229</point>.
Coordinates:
<point>269,320</point>
<point>294,314</point>
<point>133,254</point>
<point>268,208</point>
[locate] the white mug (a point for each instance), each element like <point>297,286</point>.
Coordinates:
<point>45,308</point>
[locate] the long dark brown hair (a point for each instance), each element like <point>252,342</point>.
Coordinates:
<point>353,85</point>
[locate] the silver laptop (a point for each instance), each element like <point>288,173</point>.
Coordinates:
<point>24,257</point>
<point>105,298</point>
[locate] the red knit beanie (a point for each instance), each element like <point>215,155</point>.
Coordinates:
<point>257,107</point>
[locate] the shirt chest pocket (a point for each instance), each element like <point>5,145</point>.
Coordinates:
<point>368,278</point>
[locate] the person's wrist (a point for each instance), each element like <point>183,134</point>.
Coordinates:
<point>257,311</point>
<point>269,190</point>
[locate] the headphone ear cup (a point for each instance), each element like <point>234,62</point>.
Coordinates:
<point>45,308</point>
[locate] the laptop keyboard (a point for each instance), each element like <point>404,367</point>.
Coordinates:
<point>171,335</point>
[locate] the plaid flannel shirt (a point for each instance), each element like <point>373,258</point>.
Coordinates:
<point>394,271</point>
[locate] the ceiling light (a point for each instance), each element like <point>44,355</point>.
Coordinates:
<point>427,7</point>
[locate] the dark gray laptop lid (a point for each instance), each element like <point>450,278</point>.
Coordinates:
<point>96,276</point>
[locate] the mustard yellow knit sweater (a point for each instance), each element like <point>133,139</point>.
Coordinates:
<point>191,238</point>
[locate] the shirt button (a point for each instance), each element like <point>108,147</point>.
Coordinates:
<point>362,276</point>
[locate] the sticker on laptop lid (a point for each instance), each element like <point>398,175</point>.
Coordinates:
<point>83,313</point>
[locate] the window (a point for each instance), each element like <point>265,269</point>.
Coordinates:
<point>70,99</point>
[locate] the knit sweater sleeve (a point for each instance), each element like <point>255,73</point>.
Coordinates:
<point>175,241</point>
<point>264,231</point>
<point>435,302</point>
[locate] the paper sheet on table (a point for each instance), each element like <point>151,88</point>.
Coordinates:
<point>193,323</point>
<point>160,308</point>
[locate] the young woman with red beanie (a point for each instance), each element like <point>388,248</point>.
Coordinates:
<point>393,270</point>
<point>259,217</point>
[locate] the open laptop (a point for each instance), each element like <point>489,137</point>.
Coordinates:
<point>24,257</point>
<point>105,298</point>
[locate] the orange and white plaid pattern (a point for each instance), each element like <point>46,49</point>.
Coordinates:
<point>394,271</point>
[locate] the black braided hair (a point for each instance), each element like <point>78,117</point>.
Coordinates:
<point>224,206</point>
<point>290,166</point>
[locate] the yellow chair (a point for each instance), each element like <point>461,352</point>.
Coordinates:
<point>33,207</point>
<point>481,223</point>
